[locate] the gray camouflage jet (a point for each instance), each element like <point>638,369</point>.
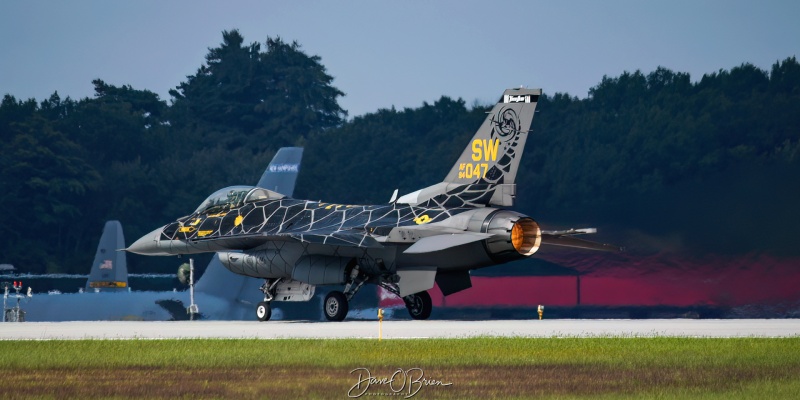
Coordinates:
<point>434,235</point>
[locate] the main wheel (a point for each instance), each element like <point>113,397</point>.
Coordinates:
<point>419,305</point>
<point>263,311</point>
<point>336,306</point>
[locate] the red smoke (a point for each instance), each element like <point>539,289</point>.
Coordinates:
<point>628,280</point>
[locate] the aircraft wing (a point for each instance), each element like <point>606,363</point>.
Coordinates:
<point>241,242</point>
<point>567,239</point>
<point>338,238</point>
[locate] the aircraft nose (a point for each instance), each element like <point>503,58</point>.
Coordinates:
<point>148,244</point>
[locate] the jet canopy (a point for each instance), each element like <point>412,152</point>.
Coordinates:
<point>233,197</point>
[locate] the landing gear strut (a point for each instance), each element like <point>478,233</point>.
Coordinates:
<point>336,304</point>
<point>263,310</point>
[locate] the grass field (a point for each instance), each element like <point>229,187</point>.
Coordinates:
<point>474,368</point>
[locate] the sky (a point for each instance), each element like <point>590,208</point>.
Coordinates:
<point>391,53</point>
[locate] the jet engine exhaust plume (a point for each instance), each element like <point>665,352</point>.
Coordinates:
<point>526,236</point>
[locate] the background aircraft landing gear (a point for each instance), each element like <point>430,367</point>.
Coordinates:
<point>419,305</point>
<point>335,306</point>
<point>263,311</point>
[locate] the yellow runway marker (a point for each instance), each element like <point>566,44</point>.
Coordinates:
<point>380,324</point>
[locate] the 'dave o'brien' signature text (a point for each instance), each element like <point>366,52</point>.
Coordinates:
<point>406,382</point>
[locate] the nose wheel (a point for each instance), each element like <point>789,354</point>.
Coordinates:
<point>263,311</point>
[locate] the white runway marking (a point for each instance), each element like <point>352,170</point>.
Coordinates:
<point>399,329</point>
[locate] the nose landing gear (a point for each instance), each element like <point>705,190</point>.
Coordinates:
<point>263,309</point>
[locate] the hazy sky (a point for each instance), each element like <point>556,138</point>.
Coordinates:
<point>384,53</point>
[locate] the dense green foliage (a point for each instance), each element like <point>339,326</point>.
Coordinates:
<point>68,165</point>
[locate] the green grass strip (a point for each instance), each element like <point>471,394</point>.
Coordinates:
<point>485,351</point>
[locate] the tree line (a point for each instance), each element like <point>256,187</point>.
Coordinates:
<point>69,165</point>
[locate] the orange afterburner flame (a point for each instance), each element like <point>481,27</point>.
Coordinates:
<point>526,236</point>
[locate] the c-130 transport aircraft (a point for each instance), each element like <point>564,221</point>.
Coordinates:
<point>434,235</point>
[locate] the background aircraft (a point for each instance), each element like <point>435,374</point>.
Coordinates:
<point>436,234</point>
<point>219,293</point>
<point>110,267</point>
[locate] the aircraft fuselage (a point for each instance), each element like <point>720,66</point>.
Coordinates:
<point>273,236</point>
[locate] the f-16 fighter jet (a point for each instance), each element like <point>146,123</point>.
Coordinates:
<point>434,235</point>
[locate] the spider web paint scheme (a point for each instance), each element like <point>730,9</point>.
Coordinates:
<point>434,235</point>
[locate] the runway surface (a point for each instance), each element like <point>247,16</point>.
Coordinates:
<point>399,329</point>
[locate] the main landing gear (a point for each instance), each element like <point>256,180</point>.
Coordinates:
<point>336,304</point>
<point>419,305</point>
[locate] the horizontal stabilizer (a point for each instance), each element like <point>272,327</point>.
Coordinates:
<point>440,242</point>
<point>569,241</point>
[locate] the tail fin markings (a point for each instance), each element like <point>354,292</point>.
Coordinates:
<point>487,168</point>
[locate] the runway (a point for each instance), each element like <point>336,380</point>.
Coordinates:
<point>399,329</point>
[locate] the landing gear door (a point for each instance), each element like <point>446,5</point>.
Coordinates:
<point>415,279</point>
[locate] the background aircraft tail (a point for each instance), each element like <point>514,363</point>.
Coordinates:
<point>487,168</point>
<point>109,269</point>
<point>281,173</point>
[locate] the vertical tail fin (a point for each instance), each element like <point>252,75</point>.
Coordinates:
<point>487,168</point>
<point>281,173</point>
<point>109,269</point>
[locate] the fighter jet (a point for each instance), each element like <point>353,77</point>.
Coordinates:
<point>434,235</point>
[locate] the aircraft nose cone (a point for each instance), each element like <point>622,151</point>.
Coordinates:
<point>148,244</point>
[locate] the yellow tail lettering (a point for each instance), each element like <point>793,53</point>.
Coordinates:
<point>491,147</point>
<point>477,151</point>
<point>485,150</point>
